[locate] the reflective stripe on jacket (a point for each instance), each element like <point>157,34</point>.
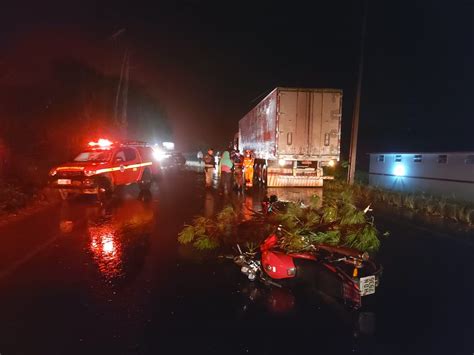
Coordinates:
<point>209,161</point>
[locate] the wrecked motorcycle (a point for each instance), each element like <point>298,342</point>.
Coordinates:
<point>342,273</point>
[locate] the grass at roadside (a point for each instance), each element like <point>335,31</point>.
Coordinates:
<point>459,211</point>
<point>23,188</point>
<point>12,198</point>
<point>16,198</point>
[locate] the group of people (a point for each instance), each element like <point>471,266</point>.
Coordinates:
<point>233,168</point>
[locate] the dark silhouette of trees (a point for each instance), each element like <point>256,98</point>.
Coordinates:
<point>47,122</point>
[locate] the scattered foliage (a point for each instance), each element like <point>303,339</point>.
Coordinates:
<point>337,221</point>
<point>209,233</point>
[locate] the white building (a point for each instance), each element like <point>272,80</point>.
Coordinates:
<point>445,174</point>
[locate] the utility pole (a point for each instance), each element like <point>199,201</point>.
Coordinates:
<point>124,120</point>
<point>356,111</point>
<point>122,93</point>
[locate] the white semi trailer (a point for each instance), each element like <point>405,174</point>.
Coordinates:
<point>294,134</point>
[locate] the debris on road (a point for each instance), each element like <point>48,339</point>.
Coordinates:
<point>334,222</point>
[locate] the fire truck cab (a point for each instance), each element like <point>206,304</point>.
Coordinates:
<point>103,166</point>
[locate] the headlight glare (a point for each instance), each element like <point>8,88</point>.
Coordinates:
<point>89,172</point>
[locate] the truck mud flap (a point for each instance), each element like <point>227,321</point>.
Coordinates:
<point>293,181</point>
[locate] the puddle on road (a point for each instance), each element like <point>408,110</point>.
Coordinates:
<point>119,237</point>
<point>106,248</point>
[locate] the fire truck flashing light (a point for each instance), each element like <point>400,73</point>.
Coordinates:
<point>101,143</point>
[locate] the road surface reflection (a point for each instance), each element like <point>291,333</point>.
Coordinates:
<point>106,249</point>
<point>119,237</point>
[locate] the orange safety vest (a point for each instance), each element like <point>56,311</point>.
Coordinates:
<point>248,162</point>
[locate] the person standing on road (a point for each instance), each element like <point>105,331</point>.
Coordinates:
<point>238,160</point>
<point>209,166</point>
<point>248,168</point>
<point>225,169</point>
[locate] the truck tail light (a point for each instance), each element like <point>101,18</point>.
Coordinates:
<point>53,172</point>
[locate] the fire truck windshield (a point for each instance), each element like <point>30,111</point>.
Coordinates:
<point>94,156</point>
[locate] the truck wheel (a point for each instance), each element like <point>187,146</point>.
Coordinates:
<point>256,174</point>
<point>264,175</point>
<point>145,182</point>
<point>261,173</point>
<point>105,190</point>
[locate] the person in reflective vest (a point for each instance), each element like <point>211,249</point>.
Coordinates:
<point>248,168</point>
<point>238,160</point>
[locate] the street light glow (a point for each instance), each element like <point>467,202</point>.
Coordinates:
<point>399,170</point>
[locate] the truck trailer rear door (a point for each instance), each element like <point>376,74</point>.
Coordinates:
<point>294,122</point>
<point>325,129</point>
<point>286,121</point>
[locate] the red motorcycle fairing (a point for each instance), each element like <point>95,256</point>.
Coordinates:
<point>306,256</point>
<point>270,242</point>
<point>278,265</point>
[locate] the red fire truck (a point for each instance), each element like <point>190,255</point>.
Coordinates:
<point>103,166</point>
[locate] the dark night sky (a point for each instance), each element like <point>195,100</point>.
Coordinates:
<point>208,63</point>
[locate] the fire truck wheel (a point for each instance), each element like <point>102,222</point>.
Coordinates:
<point>105,190</point>
<point>145,182</point>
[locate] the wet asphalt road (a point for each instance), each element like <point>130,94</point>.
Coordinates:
<point>81,279</point>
